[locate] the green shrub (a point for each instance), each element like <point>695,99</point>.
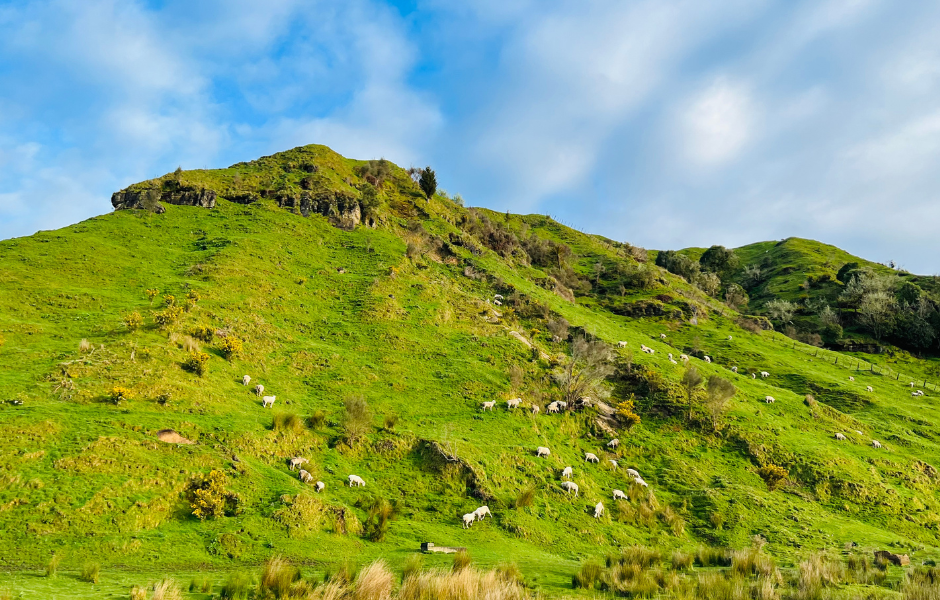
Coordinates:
<point>193,296</point>
<point>773,475</point>
<point>462,560</point>
<point>168,317</point>
<point>381,513</point>
<point>208,497</point>
<point>52,567</point>
<point>390,421</point>
<point>119,394</point>
<point>91,572</point>
<point>412,566</point>
<point>203,332</point>
<point>287,421</point>
<point>169,300</point>
<point>201,583</point>
<point>316,420</point>
<point>151,294</point>
<point>708,556</point>
<point>588,577</point>
<point>230,347</point>
<point>133,321</point>
<point>197,363</point>
<point>681,561</point>
<point>236,587</point>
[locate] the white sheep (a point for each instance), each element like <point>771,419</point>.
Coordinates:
<point>482,512</point>
<point>851,378</point>
<point>588,457</point>
<point>869,388</point>
<point>684,357</point>
<point>621,344</point>
<point>305,476</point>
<point>644,348</point>
<point>859,432</point>
<point>259,389</point>
<point>268,401</point>
<point>562,404</point>
<point>570,486</point>
<point>542,451</point>
<point>598,510</point>
<point>619,495</point>
<point>769,400</point>
<point>246,379</point>
<point>567,472</point>
<point>297,461</point>
<point>355,480</point>
<point>552,408</point>
<point>468,520</point>
<point>489,405</point>
<point>734,369</point>
<point>840,436</point>
<point>639,481</point>
<point>613,462</point>
<point>535,409</point>
<point>613,443</point>
<point>498,296</point>
<point>497,303</point>
<point>912,384</point>
<point>673,361</point>
<point>730,338</point>
<point>670,356</point>
<point>875,444</point>
<point>753,375</point>
<point>708,359</point>
<point>764,374</point>
<point>514,403</point>
<point>662,336</point>
<point>318,487</point>
<point>633,473</point>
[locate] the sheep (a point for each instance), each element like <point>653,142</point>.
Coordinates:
<point>246,380</point>
<point>613,443</point>
<point>468,520</point>
<point>633,473</point>
<point>851,378</point>
<point>567,472</point>
<point>305,476</point>
<point>859,432</point>
<point>753,375</point>
<point>662,336</point>
<point>355,479</point>
<point>514,403</point>
<point>875,444</point>
<point>598,510</point>
<point>498,296</point>
<point>268,401</point>
<point>920,392</point>
<point>708,359</point>
<point>644,348</point>
<point>639,481</point>
<point>670,356</point>
<point>542,451</point>
<point>259,389</point>
<point>840,437</point>
<point>535,409</point>
<point>552,408</point>
<point>673,361</point>
<point>482,512</point>
<point>764,374</point>
<point>588,457</point>
<point>869,388</point>
<point>619,495</point>
<point>489,405</point>
<point>570,486</point>
<point>297,461</point>
<point>734,369</point>
<point>730,338</point>
<point>613,462</point>
<point>912,384</point>
<point>621,344</point>
<point>318,486</point>
<point>562,404</point>
<point>769,400</point>
<point>497,303</point>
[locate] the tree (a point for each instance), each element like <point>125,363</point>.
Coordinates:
<point>709,283</point>
<point>678,263</point>
<point>780,310</point>
<point>428,182</point>
<point>717,394</point>
<point>876,311</point>
<point>752,276</point>
<point>845,272</point>
<point>558,328</point>
<point>719,260</point>
<point>691,380</point>
<point>736,297</point>
<point>589,365</point>
<point>626,412</point>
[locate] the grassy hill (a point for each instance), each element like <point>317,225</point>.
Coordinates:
<point>370,313</point>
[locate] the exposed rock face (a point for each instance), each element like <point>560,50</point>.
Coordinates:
<point>342,209</point>
<point>152,199</point>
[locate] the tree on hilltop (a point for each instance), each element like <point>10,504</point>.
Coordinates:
<point>428,182</point>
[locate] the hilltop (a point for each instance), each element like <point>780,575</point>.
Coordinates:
<point>382,320</point>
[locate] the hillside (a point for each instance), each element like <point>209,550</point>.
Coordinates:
<point>371,314</point>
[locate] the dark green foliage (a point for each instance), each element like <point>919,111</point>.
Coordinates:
<point>719,260</point>
<point>847,271</point>
<point>428,182</point>
<point>381,513</point>
<point>677,263</point>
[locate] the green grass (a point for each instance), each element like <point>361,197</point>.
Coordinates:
<point>88,480</point>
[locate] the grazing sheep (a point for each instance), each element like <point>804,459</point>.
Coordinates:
<point>482,512</point>
<point>588,457</point>
<point>619,495</point>
<point>875,444</point>
<point>355,479</point>
<point>851,378</point>
<point>598,510</point>
<point>567,472</point>
<point>514,403</point>
<point>859,432</point>
<point>318,487</point>
<point>570,486</point>
<point>684,357</point>
<point>644,348</point>
<point>730,338</point>
<point>468,520</point>
<point>869,388</point>
<point>734,369</point>
<point>268,401</point>
<point>497,303</point>
<point>246,380</point>
<point>542,451</point>
<point>840,436</point>
<point>662,336</point>
<point>673,361</point>
<point>639,481</point>
<point>552,408</point>
<point>305,476</point>
<point>535,409</point>
<point>633,473</point>
<point>613,462</point>
<point>708,359</point>
<point>259,389</point>
<point>753,375</point>
<point>621,344</point>
<point>764,374</point>
<point>489,405</point>
<point>769,400</point>
<point>297,461</point>
<point>920,392</point>
<point>498,296</point>
<point>562,404</point>
<point>613,443</point>
<point>912,384</point>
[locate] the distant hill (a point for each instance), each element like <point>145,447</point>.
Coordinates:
<point>382,322</point>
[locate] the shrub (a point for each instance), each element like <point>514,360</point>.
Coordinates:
<point>374,582</point>
<point>462,560</point>
<point>381,513</point>
<point>236,587</point>
<point>168,317</point>
<point>640,556</point>
<point>708,556</point>
<point>197,363</point>
<point>773,475</point>
<point>288,422</point>
<point>230,347</point>
<point>91,572</point>
<point>119,394</point>
<point>626,412</point>
<point>133,321</point>
<point>201,584</point>
<point>510,573</point>
<point>810,401</point>
<point>208,497</point>
<point>412,566</point>
<point>169,300</point>
<point>193,296</point>
<point>390,421</point>
<point>278,576</point>
<point>151,294</point>
<point>52,567</point>
<point>316,420</point>
<point>589,575</point>
<point>681,561</point>
<point>525,498</point>
<point>203,332</point>
<point>357,418</point>
<point>428,182</point>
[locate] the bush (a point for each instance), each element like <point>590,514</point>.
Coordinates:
<point>288,422</point>
<point>626,413</point>
<point>230,347</point>
<point>166,589</point>
<point>168,317</point>
<point>236,587</point>
<point>203,332</point>
<point>708,556</point>
<point>119,394</point>
<point>193,296</point>
<point>810,401</point>
<point>381,513</point>
<point>91,572</point>
<point>681,561</point>
<point>151,294</point>
<point>390,421</point>
<point>52,567</point>
<point>525,498</point>
<point>462,560</point>
<point>773,476</point>
<point>357,418</point>
<point>201,584</point>
<point>169,300</point>
<point>589,575</point>
<point>133,321</point>
<point>197,363</point>
<point>208,497</point>
<point>316,420</point>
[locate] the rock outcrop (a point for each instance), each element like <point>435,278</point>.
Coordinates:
<point>152,199</point>
<point>342,209</point>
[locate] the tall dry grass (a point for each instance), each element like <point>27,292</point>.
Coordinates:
<point>465,584</point>
<point>375,582</point>
<point>166,589</point>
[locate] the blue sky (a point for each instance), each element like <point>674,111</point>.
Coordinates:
<point>663,123</point>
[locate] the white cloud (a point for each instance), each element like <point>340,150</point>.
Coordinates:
<point>718,123</point>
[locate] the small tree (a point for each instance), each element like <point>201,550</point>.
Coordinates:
<point>780,310</point>
<point>717,394</point>
<point>558,328</point>
<point>120,394</point>
<point>719,260</point>
<point>428,182</point>
<point>230,346</point>
<point>691,380</point>
<point>736,297</point>
<point>589,365</point>
<point>626,412</point>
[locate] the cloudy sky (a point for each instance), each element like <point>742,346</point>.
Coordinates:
<point>665,123</point>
